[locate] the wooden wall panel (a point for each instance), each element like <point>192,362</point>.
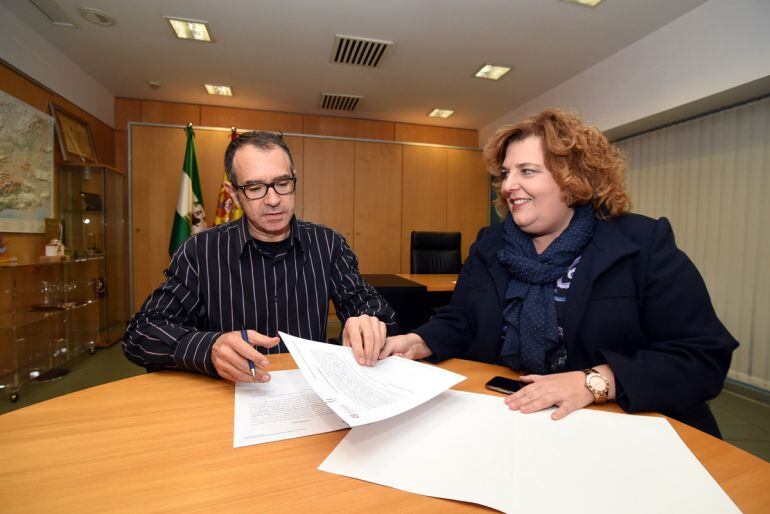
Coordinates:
<point>377,224</point>
<point>121,151</point>
<point>424,194</point>
<point>155,175</point>
<point>408,132</point>
<point>127,110</point>
<point>170,113</point>
<point>25,90</point>
<point>104,140</point>
<point>329,175</point>
<point>212,116</point>
<point>296,147</point>
<point>467,195</point>
<point>348,127</point>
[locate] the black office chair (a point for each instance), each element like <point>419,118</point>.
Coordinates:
<point>436,252</point>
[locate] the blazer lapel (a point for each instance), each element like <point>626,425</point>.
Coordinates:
<point>607,247</point>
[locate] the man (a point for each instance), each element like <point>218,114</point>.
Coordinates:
<point>267,271</point>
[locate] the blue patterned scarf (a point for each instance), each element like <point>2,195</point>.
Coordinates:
<point>530,312</point>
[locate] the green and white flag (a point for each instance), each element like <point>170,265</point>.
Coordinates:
<point>189,218</point>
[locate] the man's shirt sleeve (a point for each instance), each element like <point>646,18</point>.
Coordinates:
<point>169,331</point>
<point>351,295</point>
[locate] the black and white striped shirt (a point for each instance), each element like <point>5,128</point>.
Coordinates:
<point>220,280</point>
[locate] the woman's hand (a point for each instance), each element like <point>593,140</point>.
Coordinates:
<point>409,346</point>
<point>567,391</point>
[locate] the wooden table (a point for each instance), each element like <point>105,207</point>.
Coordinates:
<point>164,441</point>
<point>434,283</point>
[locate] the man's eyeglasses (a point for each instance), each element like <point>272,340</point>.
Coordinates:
<point>257,190</point>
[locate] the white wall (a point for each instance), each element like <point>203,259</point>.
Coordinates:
<point>29,52</point>
<point>717,46</point>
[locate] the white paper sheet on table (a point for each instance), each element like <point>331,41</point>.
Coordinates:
<point>284,408</point>
<point>360,394</point>
<point>470,447</point>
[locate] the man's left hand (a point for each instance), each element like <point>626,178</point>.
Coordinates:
<point>366,335</point>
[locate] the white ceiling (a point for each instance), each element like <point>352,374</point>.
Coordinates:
<point>275,54</point>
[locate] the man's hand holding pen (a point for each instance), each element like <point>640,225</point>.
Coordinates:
<point>230,355</point>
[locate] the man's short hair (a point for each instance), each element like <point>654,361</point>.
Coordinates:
<point>259,139</point>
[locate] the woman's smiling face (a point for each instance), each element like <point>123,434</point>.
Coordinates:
<point>533,196</point>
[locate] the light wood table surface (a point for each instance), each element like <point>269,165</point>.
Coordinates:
<point>164,441</point>
<point>434,283</point>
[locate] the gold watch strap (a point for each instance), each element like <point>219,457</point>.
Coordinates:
<point>599,397</point>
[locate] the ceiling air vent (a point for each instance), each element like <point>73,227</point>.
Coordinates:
<point>340,102</point>
<point>359,50</point>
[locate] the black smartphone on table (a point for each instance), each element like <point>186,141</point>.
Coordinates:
<point>504,385</point>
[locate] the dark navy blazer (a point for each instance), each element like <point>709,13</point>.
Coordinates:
<point>636,302</point>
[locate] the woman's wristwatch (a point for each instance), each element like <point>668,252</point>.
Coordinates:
<point>597,384</point>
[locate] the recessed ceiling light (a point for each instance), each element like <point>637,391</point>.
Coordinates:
<point>492,72</point>
<point>214,89</point>
<point>96,16</point>
<point>440,113</point>
<point>190,29</point>
<point>589,3</point>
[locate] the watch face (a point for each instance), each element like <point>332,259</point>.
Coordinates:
<point>597,383</point>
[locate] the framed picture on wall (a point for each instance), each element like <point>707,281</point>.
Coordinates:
<point>75,136</point>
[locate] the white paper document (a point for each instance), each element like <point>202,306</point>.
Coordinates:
<point>359,394</point>
<point>284,408</point>
<point>470,447</point>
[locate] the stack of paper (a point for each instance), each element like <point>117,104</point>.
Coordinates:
<point>331,391</point>
<point>470,447</point>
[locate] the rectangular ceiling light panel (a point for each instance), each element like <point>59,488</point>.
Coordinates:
<point>589,3</point>
<point>190,29</point>
<point>359,51</point>
<point>215,89</point>
<point>440,113</point>
<point>492,72</point>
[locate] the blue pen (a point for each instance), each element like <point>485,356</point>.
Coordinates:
<point>245,337</point>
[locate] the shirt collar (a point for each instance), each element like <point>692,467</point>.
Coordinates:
<point>244,237</point>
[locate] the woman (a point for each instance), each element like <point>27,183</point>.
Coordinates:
<point>591,302</point>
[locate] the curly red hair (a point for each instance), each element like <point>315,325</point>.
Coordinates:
<point>586,166</point>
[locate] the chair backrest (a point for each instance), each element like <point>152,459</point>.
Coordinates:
<point>435,252</point>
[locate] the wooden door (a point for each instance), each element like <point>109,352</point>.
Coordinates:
<point>328,184</point>
<point>157,154</point>
<point>424,194</point>
<point>467,195</point>
<point>377,240</point>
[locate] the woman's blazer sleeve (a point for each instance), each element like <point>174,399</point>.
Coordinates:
<point>687,349</point>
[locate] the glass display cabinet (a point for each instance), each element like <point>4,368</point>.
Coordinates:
<point>92,207</point>
<point>57,309</point>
